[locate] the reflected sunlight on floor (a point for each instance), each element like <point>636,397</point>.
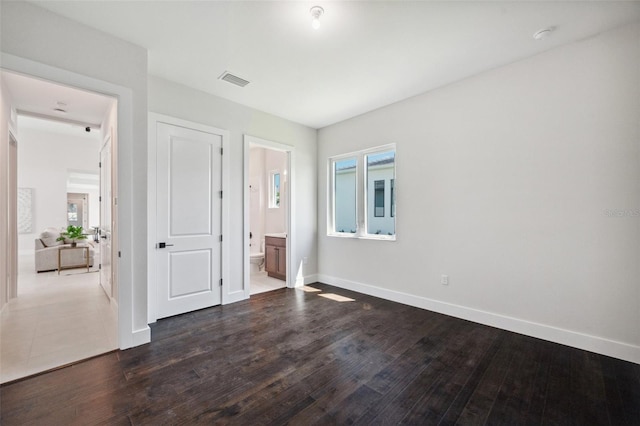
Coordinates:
<point>336,297</point>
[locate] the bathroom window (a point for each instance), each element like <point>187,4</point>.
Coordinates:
<point>361,194</point>
<point>274,190</point>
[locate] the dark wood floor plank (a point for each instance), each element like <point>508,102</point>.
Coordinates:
<point>622,390</point>
<point>394,385</point>
<point>415,357</point>
<point>587,383</point>
<point>349,373</point>
<point>516,400</point>
<point>353,407</point>
<point>456,373</point>
<point>293,357</point>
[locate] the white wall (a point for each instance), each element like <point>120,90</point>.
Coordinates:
<point>505,182</point>
<point>37,42</point>
<point>44,159</point>
<point>182,102</point>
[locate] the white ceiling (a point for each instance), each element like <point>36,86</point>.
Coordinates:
<point>365,55</point>
<point>40,97</point>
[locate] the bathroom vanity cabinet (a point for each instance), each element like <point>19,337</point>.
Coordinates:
<point>275,257</point>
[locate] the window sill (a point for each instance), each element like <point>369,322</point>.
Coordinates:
<point>364,237</point>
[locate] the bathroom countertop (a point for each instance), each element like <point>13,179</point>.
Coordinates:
<point>277,235</point>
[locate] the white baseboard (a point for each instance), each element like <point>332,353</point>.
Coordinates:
<point>140,337</point>
<point>310,279</point>
<point>586,342</point>
<point>236,296</point>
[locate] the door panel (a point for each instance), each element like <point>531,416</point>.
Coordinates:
<point>190,166</point>
<point>106,203</point>
<point>271,261</point>
<point>196,264</point>
<point>282,260</point>
<point>189,207</point>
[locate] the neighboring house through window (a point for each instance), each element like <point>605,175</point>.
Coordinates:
<point>359,203</point>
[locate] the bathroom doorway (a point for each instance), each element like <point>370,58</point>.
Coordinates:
<point>267,215</point>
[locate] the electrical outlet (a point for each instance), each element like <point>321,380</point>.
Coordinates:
<point>444,279</point>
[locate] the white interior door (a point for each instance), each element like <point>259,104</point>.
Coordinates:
<point>189,219</point>
<point>106,225</point>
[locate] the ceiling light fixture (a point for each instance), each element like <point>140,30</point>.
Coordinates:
<point>543,33</point>
<point>316,13</point>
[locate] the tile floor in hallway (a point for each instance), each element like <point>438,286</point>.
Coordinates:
<point>261,282</point>
<point>55,320</point>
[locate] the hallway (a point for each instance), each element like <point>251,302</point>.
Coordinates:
<point>55,320</point>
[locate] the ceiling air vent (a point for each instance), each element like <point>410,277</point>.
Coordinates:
<point>233,79</point>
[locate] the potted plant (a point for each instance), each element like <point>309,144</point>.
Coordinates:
<point>72,233</point>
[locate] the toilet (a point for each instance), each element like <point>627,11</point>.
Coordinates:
<point>256,259</point>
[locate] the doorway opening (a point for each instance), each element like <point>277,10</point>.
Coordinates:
<point>78,209</point>
<point>62,311</point>
<point>267,217</point>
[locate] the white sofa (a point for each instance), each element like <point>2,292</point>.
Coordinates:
<point>47,246</point>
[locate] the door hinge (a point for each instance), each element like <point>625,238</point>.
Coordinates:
<point>100,266</point>
<point>100,198</point>
<point>220,282</point>
<point>220,194</point>
<point>221,151</point>
<point>220,238</point>
<point>100,164</point>
<point>119,254</point>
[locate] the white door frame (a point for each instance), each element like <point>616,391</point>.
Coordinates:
<point>128,336</point>
<point>152,293</point>
<point>12,210</point>
<point>292,279</point>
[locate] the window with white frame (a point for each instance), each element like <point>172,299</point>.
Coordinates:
<point>344,195</point>
<point>362,194</point>
<point>274,189</point>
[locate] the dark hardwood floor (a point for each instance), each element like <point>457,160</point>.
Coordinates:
<point>294,357</point>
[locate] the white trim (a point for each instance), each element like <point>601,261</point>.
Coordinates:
<point>575,339</point>
<point>152,121</point>
<point>152,134</point>
<point>127,336</point>
<point>291,229</point>
<point>236,296</point>
<point>142,336</point>
<point>310,279</point>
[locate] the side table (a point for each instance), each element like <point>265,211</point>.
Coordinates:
<point>86,257</point>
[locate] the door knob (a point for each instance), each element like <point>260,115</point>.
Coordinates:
<point>163,245</point>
